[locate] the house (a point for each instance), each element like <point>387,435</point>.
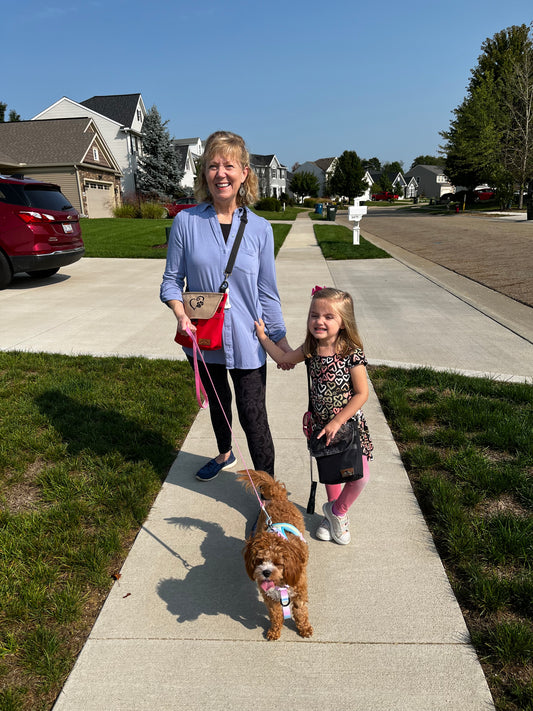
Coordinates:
<point>430,181</point>
<point>69,152</point>
<point>322,169</point>
<point>398,181</point>
<point>271,174</point>
<point>119,118</point>
<point>188,150</point>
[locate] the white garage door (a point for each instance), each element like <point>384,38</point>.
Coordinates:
<point>99,202</point>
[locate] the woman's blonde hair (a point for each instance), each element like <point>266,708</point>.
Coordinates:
<point>226,144</point>
<point>348,339</point>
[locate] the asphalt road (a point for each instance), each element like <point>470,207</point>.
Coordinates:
<point>490,250</point>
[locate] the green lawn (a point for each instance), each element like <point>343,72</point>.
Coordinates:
<point>138,239</point>
<point>466,445</point>
<point>86,443</point>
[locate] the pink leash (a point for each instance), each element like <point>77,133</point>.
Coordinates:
<point>200,390</point>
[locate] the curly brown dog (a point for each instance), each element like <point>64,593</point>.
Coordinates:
<point>276,558</point>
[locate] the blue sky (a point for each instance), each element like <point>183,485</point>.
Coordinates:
<point>304,80</point>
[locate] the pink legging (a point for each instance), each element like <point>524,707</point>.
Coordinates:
<point>345,494</point>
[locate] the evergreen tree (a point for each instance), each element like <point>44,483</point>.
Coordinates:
<point>347,180</point>
<point>159,174</point>
<point>13,116</point>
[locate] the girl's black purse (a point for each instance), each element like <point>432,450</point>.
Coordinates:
<point>342,459</point>
<point>338,462</point>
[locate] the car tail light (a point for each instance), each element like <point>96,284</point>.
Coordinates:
<point>31,217</point>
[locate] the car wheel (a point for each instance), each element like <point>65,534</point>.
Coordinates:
<point>6,275</point>
<point>43,273</point>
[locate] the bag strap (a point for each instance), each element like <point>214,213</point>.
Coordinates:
<point>234,250</point>
<point>312,493</point>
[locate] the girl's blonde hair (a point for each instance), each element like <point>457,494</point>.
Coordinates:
<point>348,339</point>
<point>227,145</point>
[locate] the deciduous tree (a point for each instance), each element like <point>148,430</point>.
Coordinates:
<point>347,180</point>
<point>304,183</point>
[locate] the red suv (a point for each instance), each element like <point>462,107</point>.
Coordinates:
<point>39,229</point>
<point>172,208</point>
<point>385,195</point>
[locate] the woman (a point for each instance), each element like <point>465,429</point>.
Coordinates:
<point>199,245</point>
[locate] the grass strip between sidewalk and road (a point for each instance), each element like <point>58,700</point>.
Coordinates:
<point>466,445</point>
<point>336,242</point>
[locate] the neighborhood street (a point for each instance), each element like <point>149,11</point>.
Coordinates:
<point>495,251</point>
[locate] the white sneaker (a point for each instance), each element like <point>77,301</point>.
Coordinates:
<point>323,532</point>
<point>339,525</point>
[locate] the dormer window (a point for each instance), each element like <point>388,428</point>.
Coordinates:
<point>96,155</point>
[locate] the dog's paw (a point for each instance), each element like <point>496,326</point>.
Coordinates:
<point>305,631</point>
<point>273,634</point>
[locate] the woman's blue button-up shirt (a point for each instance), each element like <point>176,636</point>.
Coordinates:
<point>196,259</point>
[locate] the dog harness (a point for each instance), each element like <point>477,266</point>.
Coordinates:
<point>285,603</point>
<point>281,529</point>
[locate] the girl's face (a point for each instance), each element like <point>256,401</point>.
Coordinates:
<point>225,175</point>
<point>324,323</point>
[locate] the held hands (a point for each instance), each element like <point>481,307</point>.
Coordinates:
<point>260,330</point>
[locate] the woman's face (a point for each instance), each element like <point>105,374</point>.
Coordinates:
<point>224,176</point>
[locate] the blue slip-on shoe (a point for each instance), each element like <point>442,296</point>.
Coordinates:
<point>212,468</point>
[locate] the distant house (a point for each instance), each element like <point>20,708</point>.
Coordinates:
<point>119,118</point>
<point>188,150</point>
<point>398,181</point>
<point>69,152</point>
<point>430,181</point>
<point>271,174</point>
<point>322,169</point>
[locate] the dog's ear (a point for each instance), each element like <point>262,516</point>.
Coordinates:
<point>249,558</point>
<point>293,564</point>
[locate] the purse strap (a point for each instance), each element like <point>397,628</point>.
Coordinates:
<point>234,250</point>
<point>312,494</point>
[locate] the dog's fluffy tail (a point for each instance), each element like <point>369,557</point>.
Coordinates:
<point>267,486</point>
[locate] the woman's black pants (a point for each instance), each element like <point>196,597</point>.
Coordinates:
<point>250,399</point>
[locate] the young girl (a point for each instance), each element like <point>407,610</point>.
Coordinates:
<point>339,388</point>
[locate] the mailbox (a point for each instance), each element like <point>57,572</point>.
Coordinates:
<point>355,213</point>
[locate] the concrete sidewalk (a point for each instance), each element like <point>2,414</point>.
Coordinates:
<point>183,627</point>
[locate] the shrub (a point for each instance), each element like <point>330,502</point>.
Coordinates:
<point>126,210</point>
<point>268,204</point>
<point>152,211</point>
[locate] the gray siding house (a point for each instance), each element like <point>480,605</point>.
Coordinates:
<point>430,180</point>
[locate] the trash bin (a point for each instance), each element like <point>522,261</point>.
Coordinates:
<point>415,201</point>
<point>167,232</point>
<point>318,208</point>
<point>332,211</point>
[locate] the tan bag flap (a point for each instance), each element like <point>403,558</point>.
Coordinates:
<point>201,304</point>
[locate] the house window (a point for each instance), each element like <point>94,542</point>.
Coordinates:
<point>139,115</point>
<point>96,155</point>
<point>273,173</point>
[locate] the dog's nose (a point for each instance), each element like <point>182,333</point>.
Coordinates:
<point>266,573</point>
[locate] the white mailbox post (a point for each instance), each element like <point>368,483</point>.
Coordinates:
<point>355,213</point>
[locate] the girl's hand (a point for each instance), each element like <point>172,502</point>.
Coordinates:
<point>329,431</point>
<point>260,329</point>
